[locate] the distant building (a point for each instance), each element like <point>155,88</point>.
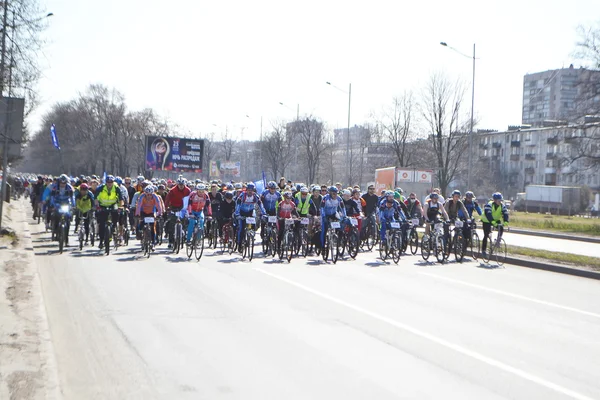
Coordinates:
<point>553,96</point>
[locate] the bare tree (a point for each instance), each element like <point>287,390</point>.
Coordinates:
<point>396,122</point>
<point>441,111</point>
<point>228,143</point>
<point>277,149</point>
<point>210,151</point>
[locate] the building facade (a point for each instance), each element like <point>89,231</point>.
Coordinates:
<point>554,95</point>
<point>541,156</point>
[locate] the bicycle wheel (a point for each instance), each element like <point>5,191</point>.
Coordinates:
<point>353,243</point>
<point>125,237</point>
<point>107,235</point>
<point>230,242</point>
<point>265,242</point>
<point>459,247</point>
<point>500,251</point>
<point>426,247</point>
<point>199,244</point>
<point>325,249</point>
<point>177,238</point>
<point>487,255</point>
<point>334,247</point>
<point>250,246</point>
<point>475,245</point>
<point>81,234</point>
<point>439,249</point>
<point>290,244</point>
<point>371,237</point>
<point>383,248</point>
<point>61,238</point>
<point>146,243</point>
<point>413,241</point>
<point>189,247</point>
<point>92,231</point>
<point>396,247</point>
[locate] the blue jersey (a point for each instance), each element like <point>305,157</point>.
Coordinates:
<point>270,201</point>
<point>388,210</point>
<point>245,204</point>
<point>470,206</point>
<point>62,196</point>
<point>331,206</point>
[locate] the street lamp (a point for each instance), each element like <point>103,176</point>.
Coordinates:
<point>348,163</point>
<point>289,108</point>
<point>470,165</point>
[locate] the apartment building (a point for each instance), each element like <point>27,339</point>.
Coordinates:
<point>542,156</point>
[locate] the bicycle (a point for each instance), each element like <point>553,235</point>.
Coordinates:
<point>63,227</point>
<point>393,242</point>
<point>248,238</point>
<point>177,233</point>
<point>160,229</point>
<point>196,246</point>
<point>331,242</point>
<point>147,236</point>
<point>286,248</point>
<point>371,233</point>
<point>81,231</point>
<point>301,242</point>
<point>228,238</point>
<point>350,238</point>
<point>314,243</point>
<point>434,241</point>
<point>473,240</point>
<point>93,227</point>
<point>413,236</point>
<point>109,232</point>
<point>269,240</point>
<point>212,232</point>
<point>497,247</point>
<point>458,241</point>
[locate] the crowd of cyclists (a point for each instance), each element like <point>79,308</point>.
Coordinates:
<point>293,219</point>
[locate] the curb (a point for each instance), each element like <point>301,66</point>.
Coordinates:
<point>49,365</point>
<point>561,269</point>
<point>555,235</point>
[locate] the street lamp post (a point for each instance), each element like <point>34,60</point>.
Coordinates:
<point>348,158</point>
<point>470,164</point>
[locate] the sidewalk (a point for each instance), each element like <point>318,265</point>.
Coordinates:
<point>27,366</point>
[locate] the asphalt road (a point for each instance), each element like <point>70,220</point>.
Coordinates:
<point>124,327</point>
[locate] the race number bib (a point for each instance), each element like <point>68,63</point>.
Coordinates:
<point>272,219</point>
<point>149,220</point>
<point>335,225</point>
<point>250,220</point>
<point>395,225</point>
<point>304,221</point>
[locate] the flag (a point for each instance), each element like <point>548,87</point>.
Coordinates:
<point>104,178</point>
<point>54,137</point>
<point>264,179</point>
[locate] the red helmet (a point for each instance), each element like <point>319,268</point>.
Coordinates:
<point>83,186</point>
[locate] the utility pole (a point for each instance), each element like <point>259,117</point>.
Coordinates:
<point>5,145</point>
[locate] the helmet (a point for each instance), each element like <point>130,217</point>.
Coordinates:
<point>181,180</point>
<point>162,182</point>
<point>94,177</point>
<point>397,195</point>
<point>140,179</point>
<point>272,185</point>
<point>399,190</point>
<point>153,180</point>
<point>83,186</point>
<point>238,186</point>
<point>287,195</point>
<point>333,189</point>
<point>110,178</point>
<point>228,195</point>
<point>346,192</point>
<point>161,187</point>
<point>355,191</point>
<point>198,181</point>
<point>118,180</point>
<point>64,178</point>
<point>40,177</point>
<point>456,192</point>
<point>214,182</point>
<point>200,186</point>
<point>145,183</point>
<point>316,188</point>
<point>149,189</point>
<point>303,189</point>
<point>434,196</point>
<point>469,195</point>
<point>250,186</point>
<point>497,196</point>
<point>230,186</point>
<point>389,193</point>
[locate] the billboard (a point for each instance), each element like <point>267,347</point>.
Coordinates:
<point>174,154</point>
<point>424,176</point>
<point>405,175</point>
<point>225,168</point>
<point>385,179</point>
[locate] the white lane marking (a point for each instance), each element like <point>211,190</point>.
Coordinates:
<point>435,339</point>
<point>516,296</point>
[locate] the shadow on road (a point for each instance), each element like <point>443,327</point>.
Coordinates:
<point>125,259</point>
<point>177,259</point>
<point>88,253</point>
<point>231,260</point>
<point>376,264</point>
<point>425,263</point>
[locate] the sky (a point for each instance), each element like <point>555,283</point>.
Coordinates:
<point>214,65</point>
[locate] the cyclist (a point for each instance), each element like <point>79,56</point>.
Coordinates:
<point>174,202</point>
<point>269,198</point>
<point>332,208</point>
<point>454,205</point>
<point>286,208</point>
<point>433,209</point>
<point>245,205</point>
<point>62,194</point>
<point>149,205</point>
<point>413,206</point>
<point>399,192</point>
<point>36,195</point>
<point>494,212</point>
<point>389,211</point>
<point>471,205</point>
<point>316,198</point>
<point>351,206</point>
<point>84,200</point>
<point>108,196</point>
<point>216,198</point>
<point>226,210</point>
<point>123,213</point>
<point>199,206</point>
